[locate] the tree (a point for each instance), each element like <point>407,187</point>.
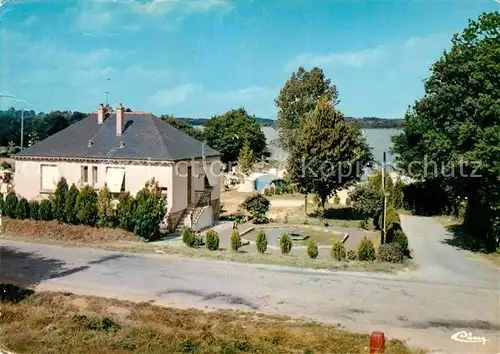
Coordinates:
<point>228,133</point>
<point>45,210</point>
<point>454,130</point>
<point>257,206</point>
<point>328,154</point>
<point>70,205</point>
<point>23,209</point>
<point>246,159</point>
<point>10,205</point>
<point>367,200</point>
<point>183,126</point>
<point>149,212</point>
<point>59,202</point>
<point>126,212</point>
<point>105,211</point>
<point>299,97</point>
<point>86,206</point>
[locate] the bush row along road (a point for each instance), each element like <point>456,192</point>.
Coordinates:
<point>451,291</point>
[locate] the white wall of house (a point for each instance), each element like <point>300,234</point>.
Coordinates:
<point>28,178</point>
<point>206,219</point>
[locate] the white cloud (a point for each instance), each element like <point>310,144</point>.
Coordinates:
<point>92,17</point>
<point>174,96</point>
<point>439,40</point>
<point>241,96</point>
<point>356,59</point>
<point>31,20</point>
<point>161,7</point>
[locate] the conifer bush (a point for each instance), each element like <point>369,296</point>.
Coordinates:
<point>59,202</point>
<point>86,206</point>
<point>10,205</point>
<point>22,209</point>
<point>70,205</point>
<point>212,240</point>
<point>235,240</point>
<point>366,250</point>
<point>125,212</point>
<point>45,210</point>
<point>285,244</point>
<point>312,249</point>
<point>188,237</point>
<point>34,210</point>
<point>261,241</point>
<point>338,251</point>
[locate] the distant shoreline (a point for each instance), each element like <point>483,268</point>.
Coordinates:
<point>363,123</point>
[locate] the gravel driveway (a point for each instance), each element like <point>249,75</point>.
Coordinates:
<point>449,293</point>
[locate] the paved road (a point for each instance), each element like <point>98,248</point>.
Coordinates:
<point>425,307</point>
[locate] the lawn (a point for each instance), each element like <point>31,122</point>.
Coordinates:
<point>322,237</point>
<point>66,323</point>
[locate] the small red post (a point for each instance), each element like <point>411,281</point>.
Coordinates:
<point>377,342</point>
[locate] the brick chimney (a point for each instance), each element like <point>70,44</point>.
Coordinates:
<point>120,117</point>
<point>100,114</point>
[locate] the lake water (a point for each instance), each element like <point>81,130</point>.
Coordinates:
<point>378,139</point>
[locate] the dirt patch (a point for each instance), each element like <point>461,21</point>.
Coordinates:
<point>54,230</point>
<point>48,322</point>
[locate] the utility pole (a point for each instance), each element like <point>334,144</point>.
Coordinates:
<point>22,128</point>
<point>382,240</point>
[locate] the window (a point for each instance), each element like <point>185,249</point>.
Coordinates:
<point>49,177</point>
<point>94,175</point>
<point>85,174</point>
<point>115,179</point>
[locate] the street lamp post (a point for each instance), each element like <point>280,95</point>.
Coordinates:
<point>13,98</point>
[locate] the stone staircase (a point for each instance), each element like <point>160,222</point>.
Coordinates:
<point>185,219</point>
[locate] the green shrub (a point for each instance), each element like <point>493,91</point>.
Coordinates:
<point>338,251</point>
<point>5,165</point>
<point>391,252</point>
<point>125,212</point>
<point>348,201</point>
<point>261,241</point>
<point>189,237</point>
<point>198,241</point>
<point>257,206</point>
<point>34,210</point>
<point>285,219</point>
<point>10,205</point>
<point>59,202</point>
<point>23,209</point>
<point>235,240</point>
<point>149,212</point>
<point>86,206</point>
<point>105,211</point>
<point>278,191</point>
<point>392,218</point>
<point>285,244</point>
<point>312,248</point>
<point>212,240</point>
<point>267,192</point>
<point>366,251</point>
<point>1,204</point>
<point>351,255</point>
<point>336,200</point>
<point>70,205</point>
<point>401,239</point>
<point>45,210</point>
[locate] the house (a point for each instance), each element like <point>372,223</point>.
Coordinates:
<point>124,150</point>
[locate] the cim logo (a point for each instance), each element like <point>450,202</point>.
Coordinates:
<point>467,337</point>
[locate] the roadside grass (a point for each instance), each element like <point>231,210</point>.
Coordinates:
<point>65,323</point>
<point>460,238</point>
<point>65,235</point>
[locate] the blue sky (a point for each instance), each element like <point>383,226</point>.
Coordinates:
<point>200,58</point>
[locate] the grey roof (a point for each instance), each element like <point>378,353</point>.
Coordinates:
<point>145,136</point>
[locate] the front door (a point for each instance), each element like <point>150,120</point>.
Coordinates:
<point>189,184</point>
